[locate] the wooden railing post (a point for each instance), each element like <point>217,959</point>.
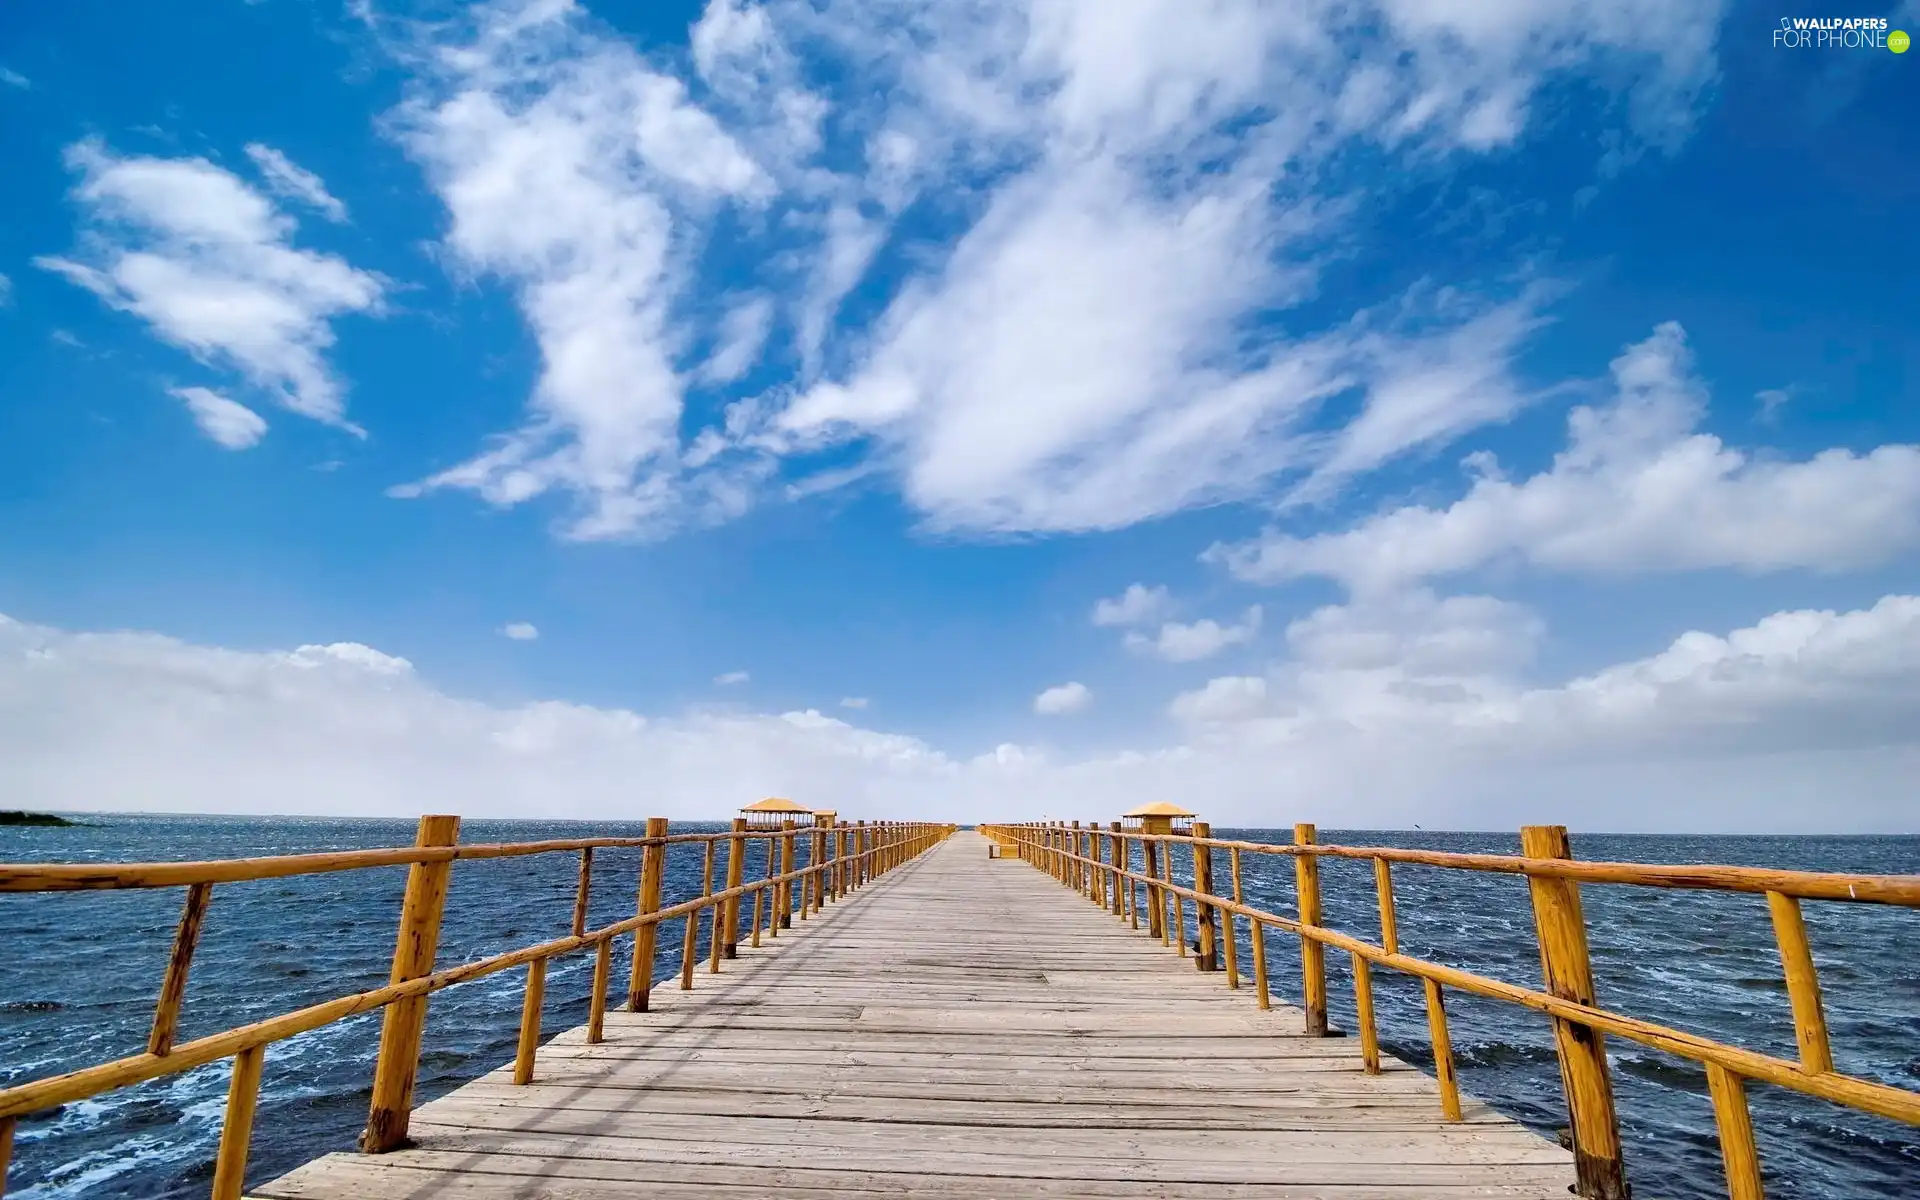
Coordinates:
<point>761,899</point>
<point>173,989</point>
<point>1207,954</point>
<point>690,939</point>
<point>1257,935</point>
<point>1116,856</point>
<point>583,892</point>
<point>602,980</point>
<point>1097,872</point>
<point>736,875</point>
<point>530,1022</point>
<point>1443,1073</point>
<point>1803,983</point>
<point>1156,903</point>
<point>236,1135</point>
<point>403,1021</point>
<point>653,874</point>
<point>1313,958</point>
<point>860,848</point>
<point>818,863</point>
<point>1562,930</point>
<point>1735,1123</point>
<point>784,898</point>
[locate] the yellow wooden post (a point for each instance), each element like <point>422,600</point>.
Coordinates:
<point>736,874</point>
<point>1257,932</point>
<point>583,893</point>
<point>1229,924</point>
<point>1735,1122</point>
<point>1803,983</point>
<point>530,1022</point>
<point>1207,955</point>
<point>1383,895</point>
<point>173,988</point>
<point>1116,854</point>
<point>402,1023</point>
<point>785,899</point>
<point>819,864</point>
<point>1562,930</point>
<point>1313,959</point>
<point>1363,1004</point>
<point>602,977</point>
<point>1442,1052</point>
<point>653,873</point>
<point>690,938</point>
<point>236,1135</point>
<point>760,898</point>
<point>1156,903</point>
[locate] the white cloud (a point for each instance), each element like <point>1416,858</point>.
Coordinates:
<point>207,261</point>
<point>1227,698</point>
<point>574,173</point>
<point>731,678</point>
<point>1803,721</point>
<point>13,78</point>
<point>6,291</point>
<point>1063,699</point>
<point>1183,643</point>
<point>227,422</point>
<point>1137,605</point>
<point>742,335</point>
<point>1637,489</point>
<point>854,702</point>
<point>520,631</point>
<point>286,178</point>
<point>1130,194</point>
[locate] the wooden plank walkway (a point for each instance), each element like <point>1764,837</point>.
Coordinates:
<point>959,1028</point>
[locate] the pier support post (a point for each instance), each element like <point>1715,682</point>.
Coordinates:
<point>1156,901</point>
<point>1206,955</point>
<point>1568,971</point>
<point>1313,955</point>
<point>403,1021</point>
<point>1116,854</point>
<point>653,874</point>
<point>736,875</point>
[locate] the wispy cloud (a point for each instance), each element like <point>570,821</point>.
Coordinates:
<point>13,78</point>
<point>228,422</point>
<point>208,263</point>
<point>731,678</point>
<point>520,631</point>
<point>287,179</point>
<point>1132,195</point>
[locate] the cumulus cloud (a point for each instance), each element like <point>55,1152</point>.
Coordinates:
<point>1063,699</point>
<point>286,178</point>
<point>1638,488</point>
<point>520,631</point>
<point>1135,606</point>
<point>731,678</point>
<point>227,422</point>
<point>208,262</point>
<point>1802,721</point>
<point>1129,196</point>
<point>1183,643</point>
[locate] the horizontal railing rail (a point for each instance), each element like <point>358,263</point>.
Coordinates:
<point>1100,864</point>
<point>840,857</point>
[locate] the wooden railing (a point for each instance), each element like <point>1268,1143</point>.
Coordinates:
<point>1100,864</point>
<point>842,857</point>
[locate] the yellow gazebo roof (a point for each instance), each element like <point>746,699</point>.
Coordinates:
<point>1159,808</point>
<point>776,804</point>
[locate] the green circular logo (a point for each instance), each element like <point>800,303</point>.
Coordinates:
<point>1898,41</point>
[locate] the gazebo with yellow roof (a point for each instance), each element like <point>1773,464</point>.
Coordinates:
<point>772,812</point>
<point>1159,816</point>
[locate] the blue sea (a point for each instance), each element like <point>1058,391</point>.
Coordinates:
<point>79,971</point>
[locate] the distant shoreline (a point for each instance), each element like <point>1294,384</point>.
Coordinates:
<point>32,818</point>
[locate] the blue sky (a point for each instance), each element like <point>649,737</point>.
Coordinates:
<point>1496,407</point>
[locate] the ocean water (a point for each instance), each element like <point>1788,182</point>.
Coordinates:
<point>79,971</point>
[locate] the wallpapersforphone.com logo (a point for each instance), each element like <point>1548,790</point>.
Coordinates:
<point>1840,33</point>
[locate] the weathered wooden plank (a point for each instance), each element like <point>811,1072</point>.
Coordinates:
<point>951,1031</point>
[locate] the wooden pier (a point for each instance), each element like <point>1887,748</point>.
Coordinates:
<point>962,1029</point>
<point>904,1008</point>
